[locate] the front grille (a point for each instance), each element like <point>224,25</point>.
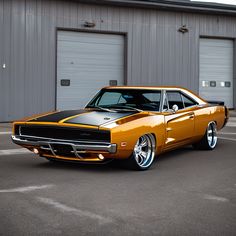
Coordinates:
<point>64,133</point>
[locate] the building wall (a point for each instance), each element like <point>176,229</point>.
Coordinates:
<point>157,54</point>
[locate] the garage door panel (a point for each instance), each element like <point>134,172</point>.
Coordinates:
<point>91,73</point>
<point>86,38</point>
<point>216,65</point>
<point>96,61</point>
<point>110,50</point>
<point>73,80</point>
<point>89,61</point>
<point>107,59</point>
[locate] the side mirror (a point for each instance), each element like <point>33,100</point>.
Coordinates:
<point>175,108</point>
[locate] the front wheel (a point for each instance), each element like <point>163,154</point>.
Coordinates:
<point>143,153</point>
<point>209,140</point>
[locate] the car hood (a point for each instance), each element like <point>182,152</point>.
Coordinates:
<point>84,117</point>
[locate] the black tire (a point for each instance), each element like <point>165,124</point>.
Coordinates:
<point>143,153</point>
<point>209,140</point>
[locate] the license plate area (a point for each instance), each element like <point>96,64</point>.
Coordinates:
<point>62,149</point>
<point>65,150</point>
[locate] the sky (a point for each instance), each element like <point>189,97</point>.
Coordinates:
<point>232,2</point>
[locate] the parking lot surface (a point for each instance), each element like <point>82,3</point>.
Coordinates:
<point>186,192</point>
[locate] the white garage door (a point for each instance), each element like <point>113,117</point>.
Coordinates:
<point>87,62</point>
<point>216,70</point>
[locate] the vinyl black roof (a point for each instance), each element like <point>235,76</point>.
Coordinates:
<point>180,5</point>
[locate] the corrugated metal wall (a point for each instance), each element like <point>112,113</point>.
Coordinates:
<point>157,53</point>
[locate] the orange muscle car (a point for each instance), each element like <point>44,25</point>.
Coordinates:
<point>132,123</point>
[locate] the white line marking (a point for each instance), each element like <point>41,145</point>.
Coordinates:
<point>63,208</point>
<point>225,133</point>
<point>230,139</point>
<point>26,189</point>
<point>14,151</point>
<point>6,132</point>
<point>231,124</point>
<point>215,198</point>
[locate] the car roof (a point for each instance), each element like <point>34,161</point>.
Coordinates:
<point>176,88</point>
<point>144,87</point>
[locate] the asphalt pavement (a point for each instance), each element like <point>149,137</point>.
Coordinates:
<point>186,192</point>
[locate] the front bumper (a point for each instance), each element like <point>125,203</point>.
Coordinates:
<point>73,148</point>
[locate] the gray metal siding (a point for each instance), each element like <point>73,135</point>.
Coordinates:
<point>1,60</point>
<point>234,73</point>
<point>157,54</point>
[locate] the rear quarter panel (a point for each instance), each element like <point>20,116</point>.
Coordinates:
<point>204,115</point>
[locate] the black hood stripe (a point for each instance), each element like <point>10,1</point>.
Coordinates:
<point>56,117</point>
<point>97,118</point>
<point>84,117</point>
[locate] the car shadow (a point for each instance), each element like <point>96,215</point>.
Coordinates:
<point>74,166</point>
<point>177,153</point>
<point>113,166</point>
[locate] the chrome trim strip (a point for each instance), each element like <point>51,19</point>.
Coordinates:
<point>75,152</point>
<point>108,147</point>
<point>20,130</point>
<point>52,150</point>
<point>59,140</point>
<point>45,148</point>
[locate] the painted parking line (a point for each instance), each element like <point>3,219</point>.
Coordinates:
<point>226,133</point>
<point>14,151</point>
<point>72,210</point>
<point>26,189</point>
<point>215,198</point>
<point>5,132</point>
<point>231,124</point>
<point>230,139</point>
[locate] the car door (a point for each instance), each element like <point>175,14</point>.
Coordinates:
<point>179,123</point>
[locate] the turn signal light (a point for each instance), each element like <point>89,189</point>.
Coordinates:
<point>101,157</point>
<point>36,151</point>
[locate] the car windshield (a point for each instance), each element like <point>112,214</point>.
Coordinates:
<point>127,99</point>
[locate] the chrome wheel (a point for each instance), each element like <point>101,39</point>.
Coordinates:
<point>209,140</point>
<point>212,135</point>
<point>144,151</point>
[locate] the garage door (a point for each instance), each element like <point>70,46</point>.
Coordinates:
<point>87,62</point>
<point>216,70</point>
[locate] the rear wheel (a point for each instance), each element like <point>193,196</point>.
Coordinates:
<point>209,140</point>
<point>143,153</point>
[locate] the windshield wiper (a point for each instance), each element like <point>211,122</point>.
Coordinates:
<point>128,108</point>
<point>103,108</point>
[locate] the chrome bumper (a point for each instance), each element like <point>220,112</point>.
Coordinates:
<point>77,146</point>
